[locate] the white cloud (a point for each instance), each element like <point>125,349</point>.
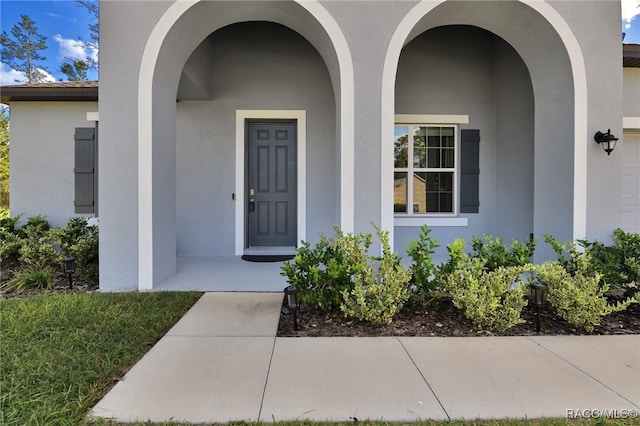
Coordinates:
<point>48,78</point>
<point>9,76</point>
<point>630,9</point>
<point>70,48</point>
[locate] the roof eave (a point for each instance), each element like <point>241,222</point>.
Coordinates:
<point>33,94</point>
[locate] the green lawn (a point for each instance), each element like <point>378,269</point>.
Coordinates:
<point>59,354</point>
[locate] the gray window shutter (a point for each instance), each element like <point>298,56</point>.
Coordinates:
<point>469,171</point>
<point>84,169</point>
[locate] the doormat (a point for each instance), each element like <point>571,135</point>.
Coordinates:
<point>267,258</point>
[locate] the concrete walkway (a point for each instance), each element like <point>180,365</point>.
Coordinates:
<point>222,362</point>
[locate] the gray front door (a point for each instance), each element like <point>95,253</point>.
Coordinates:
<point>272,184</point>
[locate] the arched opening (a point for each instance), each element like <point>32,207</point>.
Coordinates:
<point>215,58</point>
<point>523,48</point>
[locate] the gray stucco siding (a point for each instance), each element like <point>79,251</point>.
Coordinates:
<point>521,88</point>
<point>469,71</point>
<point>255,66</point>
<point>42,157</point>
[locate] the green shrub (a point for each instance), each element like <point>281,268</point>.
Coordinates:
<point>423,270</point>
<point>35,246</point>
<point>38,248</point>
<point>32,278</point>
<point>579,298</point>
<point>380,288</point>
<point>618,264</point>
<point>79,240</point>
<point>492,300</point>
<point>10,224</point>
<point>10,244</point>
<point>497,254</point>
<point>456,255</point>
<point>322,272</point>
<point>36,225</point>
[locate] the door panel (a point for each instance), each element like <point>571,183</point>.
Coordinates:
<point>272,185</point>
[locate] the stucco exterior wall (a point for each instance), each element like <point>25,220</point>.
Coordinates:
<point>574,185</point>
<point>631,92</point>
<point>122,24</point>
<point>630,146</point>
<point>603,59</point>
<point>42,157</point>
<point>256,66</point>
<point>469,71</point>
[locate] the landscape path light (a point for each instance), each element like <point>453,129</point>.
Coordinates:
<point>538,297</point>
<point>69,268</point>
<point>291,293</point>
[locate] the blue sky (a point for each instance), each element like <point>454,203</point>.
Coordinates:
<point>64,23</point>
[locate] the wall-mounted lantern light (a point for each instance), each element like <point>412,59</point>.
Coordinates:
<point>291,293</point>
<point>606,140</point>
<point>69,268</point>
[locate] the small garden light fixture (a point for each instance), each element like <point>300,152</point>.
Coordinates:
<point>538,297</point>
<point>606,140</point>
<point>291,293</point>
<point>69,268</point>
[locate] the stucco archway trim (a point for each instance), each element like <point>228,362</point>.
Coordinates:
<point>576,59</point>
<point>145,126</point>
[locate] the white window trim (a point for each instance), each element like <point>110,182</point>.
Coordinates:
<point>436,219</point>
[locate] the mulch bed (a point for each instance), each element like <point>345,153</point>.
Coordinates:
<point>442,319</point>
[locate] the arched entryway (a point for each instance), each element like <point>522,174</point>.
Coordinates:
<point>195,46</point>
<point>531,38</point>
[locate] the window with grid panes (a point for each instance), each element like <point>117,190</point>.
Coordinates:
<point>424,169</point>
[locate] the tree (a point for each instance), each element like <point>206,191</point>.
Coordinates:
<point>75,71</point>
<point>93,7</point>
<point>21,51</point>
<point>4,159</point>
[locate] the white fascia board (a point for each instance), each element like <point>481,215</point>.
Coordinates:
<point>629,123</point>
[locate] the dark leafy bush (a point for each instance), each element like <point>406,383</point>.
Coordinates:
<point>323,271</point>
<point>79,240</point>
<point>10,224</point>
<point>619,264</point>
<point>497,254</point>
<point>423,270</point>
<point>36,225</point>
<point>456,255</point>
<point>37,247</point>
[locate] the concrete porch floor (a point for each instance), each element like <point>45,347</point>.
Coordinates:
<point>224,273</point>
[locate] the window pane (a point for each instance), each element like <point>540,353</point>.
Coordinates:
<point>401,146</point>
<point>434,137</point>
<point>448,157</point>
<point>447,137</point>
<point>419,147</point>
<point>400,192</point>
<point>439,192</point>
<point>419,192</point>
<point>434,158</point>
